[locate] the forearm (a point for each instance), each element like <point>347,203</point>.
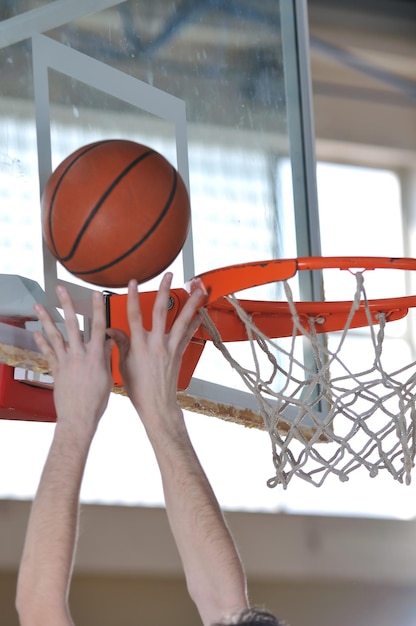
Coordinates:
<point>214,573</point>
<point>48,554</point>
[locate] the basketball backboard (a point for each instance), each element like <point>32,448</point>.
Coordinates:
<point>223,91</point>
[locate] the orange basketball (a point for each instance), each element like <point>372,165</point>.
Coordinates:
<point>115,210</point>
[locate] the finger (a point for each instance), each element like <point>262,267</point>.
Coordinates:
<point>160,307</point>
<point>46,349</point>
<point>52,332</point>
<point>186,323</point>
<point>108,348</point>
<point>134,314</point>
<point>186,338</point>
<point>98,319</point>
<point>71,321</point>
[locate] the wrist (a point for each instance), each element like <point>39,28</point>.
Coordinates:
<point>74,434</point>
<point>164,425</point>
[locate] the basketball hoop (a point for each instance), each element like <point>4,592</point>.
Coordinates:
<point>325,416</point>
<point>365,415</point>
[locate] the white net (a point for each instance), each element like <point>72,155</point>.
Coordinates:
<point>323,416</point>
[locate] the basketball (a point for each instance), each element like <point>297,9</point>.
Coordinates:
<point>115,210</point>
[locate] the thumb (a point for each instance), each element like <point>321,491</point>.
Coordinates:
<point>121,340</point>
<point>108,347</point>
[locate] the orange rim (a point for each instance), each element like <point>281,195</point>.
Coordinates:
<point>227,280</point>
<point>274,319</point>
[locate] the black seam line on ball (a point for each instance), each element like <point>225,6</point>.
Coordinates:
<point>100,202</point>
<point>58,184</point>
<point>139,243</point>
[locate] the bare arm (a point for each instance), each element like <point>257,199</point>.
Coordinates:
<point>150,364</point>
<point>82,384</point>
<point>214,573</point>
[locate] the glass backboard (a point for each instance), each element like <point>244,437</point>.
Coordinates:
<point>221,90</point>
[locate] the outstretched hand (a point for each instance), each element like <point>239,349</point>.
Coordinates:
<point>81,371</point>
<point>150,360</point>
<point>149,364</point>
<point>82,385</point>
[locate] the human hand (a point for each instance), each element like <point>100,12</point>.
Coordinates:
<point>81,371</point>
<point>150,360</point>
